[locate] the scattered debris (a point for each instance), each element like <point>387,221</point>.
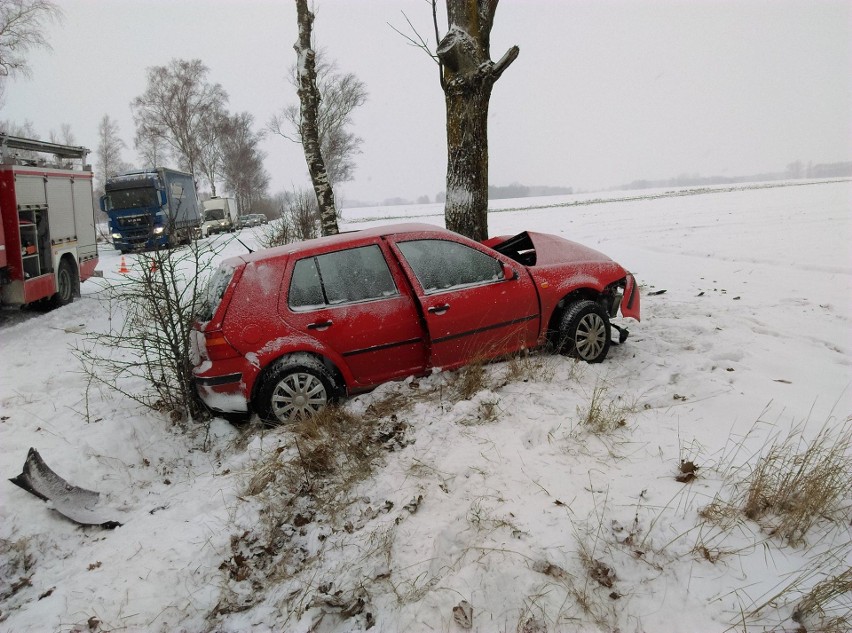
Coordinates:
<point>549,569</point>
<point>687,472</point>
<point>601,573</point>
<point>412,505</point>
<point>782,381</point>
<point>677,396</point>
<point>77,504</point>
<point>463,614</point>
<point>656,292</point>
<point>47,593</point>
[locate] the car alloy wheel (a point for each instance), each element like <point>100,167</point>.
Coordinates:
<point>590,337</point>
<point>295,387</point>
<point>297,396</point>
<point>584,331</point>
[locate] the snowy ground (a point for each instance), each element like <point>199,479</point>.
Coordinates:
<point>495,500</point>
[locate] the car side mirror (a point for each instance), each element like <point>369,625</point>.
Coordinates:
<point>509,272</point>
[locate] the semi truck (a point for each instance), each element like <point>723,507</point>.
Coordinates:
<point>47,234</point>
<point>220,215</point>
<point>151,208</point>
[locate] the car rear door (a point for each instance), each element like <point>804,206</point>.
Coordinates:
<point>360,309</point>
<point>476,306</point>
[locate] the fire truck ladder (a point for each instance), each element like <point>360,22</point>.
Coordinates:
<point>9,143</point>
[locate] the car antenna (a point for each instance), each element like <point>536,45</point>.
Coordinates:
<point>244,244</point>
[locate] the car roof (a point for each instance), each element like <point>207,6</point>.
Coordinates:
<point>341,240</point>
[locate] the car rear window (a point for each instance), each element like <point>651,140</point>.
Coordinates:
<point>215,290</point>
<point>356,274</point>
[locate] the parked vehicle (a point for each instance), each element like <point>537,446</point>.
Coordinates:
<point>220,216</point>
<point>287,330</point>
<point>47,233</point>
<point>152,208</point>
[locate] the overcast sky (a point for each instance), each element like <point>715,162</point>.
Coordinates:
<point>602,93</point>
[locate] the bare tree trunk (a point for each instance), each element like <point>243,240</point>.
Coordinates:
<point>309,98</point>
<point>467,80</point>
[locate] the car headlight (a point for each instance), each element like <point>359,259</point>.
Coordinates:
<point>159,229</point>
<point>116,236</point>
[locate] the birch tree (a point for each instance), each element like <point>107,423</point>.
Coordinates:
<point>22,25</point>
<point>176,108</point>
<point>309,99</point>
<point>108,151</point>
<point>243,170</point>
<point>340,93</point>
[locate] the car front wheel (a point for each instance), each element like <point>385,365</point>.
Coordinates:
<point>584,331</point>
<point>295,387</point>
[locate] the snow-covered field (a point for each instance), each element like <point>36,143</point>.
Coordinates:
<point>505,500</point>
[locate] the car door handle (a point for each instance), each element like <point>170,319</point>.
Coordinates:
<point>320,325</point>
<point>439,309</point>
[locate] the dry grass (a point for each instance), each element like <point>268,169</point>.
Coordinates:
<point>470,380</point>
<point>827,606</point>
<point>795,484</point>
<point>603,415</point>
<point>16,566</point>
<point>529,366</point>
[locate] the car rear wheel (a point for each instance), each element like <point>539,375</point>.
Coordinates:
<point>584,331</point>
<point>295,387</point>
<point>64,284</point>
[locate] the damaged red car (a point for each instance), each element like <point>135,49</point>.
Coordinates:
<point>287,330</point>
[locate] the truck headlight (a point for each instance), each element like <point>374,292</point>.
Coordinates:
<point>116,236</point>
<point>158,230</point>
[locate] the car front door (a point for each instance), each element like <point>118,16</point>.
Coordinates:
<point>354,305</point>
<point>475,304</point>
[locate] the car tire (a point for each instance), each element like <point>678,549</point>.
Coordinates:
<point>295,387</point>
<point>584,331</point>
<point>64,285</point>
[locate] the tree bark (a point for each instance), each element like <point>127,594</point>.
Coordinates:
<point>468,77</point>
<point>309,99</point>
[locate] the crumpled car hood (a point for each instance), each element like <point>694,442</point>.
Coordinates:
<point>551,249</point>
<point>541,249</point>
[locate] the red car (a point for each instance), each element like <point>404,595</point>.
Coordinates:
<point>289,329</point>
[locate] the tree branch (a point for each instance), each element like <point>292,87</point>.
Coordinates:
<point>504,62</point>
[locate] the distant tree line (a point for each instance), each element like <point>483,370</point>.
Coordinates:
<point>794,171</point>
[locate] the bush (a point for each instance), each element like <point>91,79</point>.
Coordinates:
<point>145,353</point>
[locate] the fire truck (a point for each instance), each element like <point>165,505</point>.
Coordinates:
<point>47,233</point>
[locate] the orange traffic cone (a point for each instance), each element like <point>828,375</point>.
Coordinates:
<point>123,269</point>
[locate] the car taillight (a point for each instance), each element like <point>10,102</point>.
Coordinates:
<point>217,346</point>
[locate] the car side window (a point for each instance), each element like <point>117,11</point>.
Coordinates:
<point>356,274</point>
<point>442,264</point>
<point>305,287</point>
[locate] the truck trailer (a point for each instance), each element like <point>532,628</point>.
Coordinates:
<point>152,208</point>
<point>47,234</point>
